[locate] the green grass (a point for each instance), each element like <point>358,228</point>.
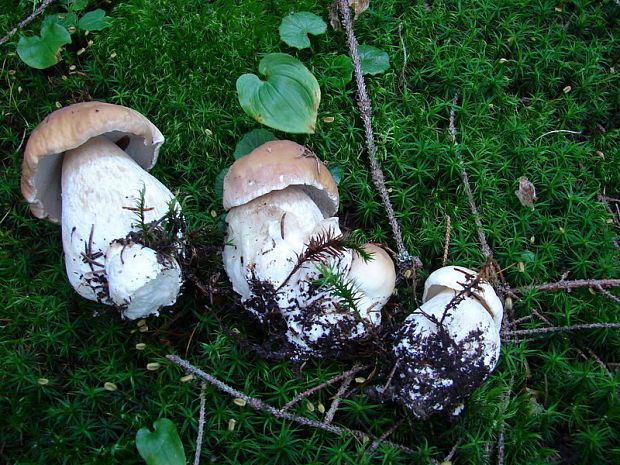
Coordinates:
<point>176,61</point>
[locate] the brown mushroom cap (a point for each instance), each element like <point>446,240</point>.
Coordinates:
<point>277,165</point>
<point>67,129</point>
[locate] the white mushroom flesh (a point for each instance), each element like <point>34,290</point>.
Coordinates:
<point>437,368</point>
<point>101,190</point>
<point>265,238</point>
<point>140,279</point>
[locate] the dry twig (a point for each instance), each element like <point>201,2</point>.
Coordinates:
<point>264,407</point>
<point>24,22</point>
<point>331,412</point>
<point>356,369</point>
<point>567,285</point>
<point>554,329</point>
<point>365,107</point>
<point>446,244</point>
<point>201,424</point>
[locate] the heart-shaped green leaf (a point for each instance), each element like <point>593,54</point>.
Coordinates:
<point>66,20</point>
<point>162,446</point>
<point>43,51</point>
<point>340,71</point>
<point>373,60</point>
<point>295,28</point>
<point>93,20</point>
<point>288,100</point>
<point>251,140</point>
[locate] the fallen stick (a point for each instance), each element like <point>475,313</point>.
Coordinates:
<point>24,22</point>
<point>264,407</point>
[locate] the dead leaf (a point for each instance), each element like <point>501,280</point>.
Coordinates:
<point>334,19</point>
<point>526,192</point>
<point>358,6</point>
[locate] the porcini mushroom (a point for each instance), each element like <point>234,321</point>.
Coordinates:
<point>281,232</point>
<point>85,168</point>
<point>447,347</point>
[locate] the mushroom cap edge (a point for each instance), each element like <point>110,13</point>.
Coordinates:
<point>68,128</point>
<point>276,165</point>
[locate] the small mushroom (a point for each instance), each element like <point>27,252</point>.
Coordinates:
<point>85,168</point>
<point>280,225</point>
<point>447,347</point>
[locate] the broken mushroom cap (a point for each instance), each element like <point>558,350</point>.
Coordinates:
<point>277,165</point>
<point>454,279</point>
<point>69,128</point>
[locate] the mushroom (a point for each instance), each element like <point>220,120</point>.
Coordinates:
<point>282,238</point>
<point>447,347</point>
<point>85,168</point>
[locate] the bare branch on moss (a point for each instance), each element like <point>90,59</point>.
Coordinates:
<point>331,412</point>
<point>405,259</point>
<point>557,131</point>
<point>554,329</point>
<point>201,424</point>
<point>446,245</point>
<point>356,369</point>
<point>264,407</point>
<point>402,78</point>
<point>384,436</point>
<point>24,22</point>
<point>568,285</point>
<point>486,250</point>
<point>608,294</point>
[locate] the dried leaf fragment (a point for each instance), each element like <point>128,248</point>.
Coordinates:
<point>526,193</point>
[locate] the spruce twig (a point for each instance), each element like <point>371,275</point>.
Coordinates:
<point>553,329</point>
<point>264,407</point>
<point>331,412</point>
<point>568,285</point>
<point>405,259</point>
<point>356,369</point>
<point>201,424</point>
<point>24,22</point>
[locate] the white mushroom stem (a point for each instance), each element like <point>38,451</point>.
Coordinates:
<point>101,191</point>
<point>266,238</point>
<point>140,280</point>
<point>447,347</point>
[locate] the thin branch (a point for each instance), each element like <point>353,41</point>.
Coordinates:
<point>384,436</point>
<point>264,407</point>
<point>450,456</point>
<point>356,369</point>
<point>331,412</point>
<point>24,22</point>
<point>563,285</point>
<point>201,424</point>
<point>554,329</point>
<point>608,294</point>
<point>366,113</point>
<point>556,132</point>
<point>446,244</point>
<point>402,78</point>
<point>486,250</point>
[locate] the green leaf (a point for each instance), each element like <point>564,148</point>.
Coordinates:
<point>288,100</point>
<point>93,20</point>
<point>43,51</point>
<point>295,28</point>
<point>162,446</point>
<point>75,5</point>
<point>251,140</point>
<point>336,172</point>
<point>66,20</point>
<point>373,60</point>
<point>340,71</point>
